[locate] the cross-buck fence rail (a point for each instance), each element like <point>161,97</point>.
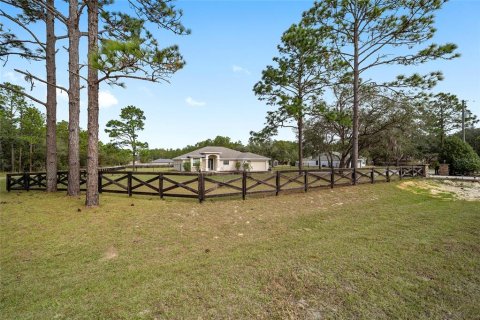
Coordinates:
<point>205,185</point>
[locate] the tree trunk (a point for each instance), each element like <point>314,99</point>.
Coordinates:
<point>20,167</point>
<point>356,81</point>
<point>51,105</point>
<point>92,198</point>
<point>300,143</point>
<point>30,156</point>
<point>73,101</point>
<point>13,157</point>
<point>133,159</point>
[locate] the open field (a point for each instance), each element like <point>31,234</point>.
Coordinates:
<point>372,251</point>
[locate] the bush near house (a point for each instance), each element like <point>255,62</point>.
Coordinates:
<point>187,166</point>
<point>460,155</point>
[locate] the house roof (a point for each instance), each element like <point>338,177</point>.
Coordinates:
<point>162,161</point>
<point>325,157</point>
<point>224,153</point>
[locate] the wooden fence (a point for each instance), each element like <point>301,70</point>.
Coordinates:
<point>206,185</point>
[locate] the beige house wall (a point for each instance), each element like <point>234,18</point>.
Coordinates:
<point>256,165</point>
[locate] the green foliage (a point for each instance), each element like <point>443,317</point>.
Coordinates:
<point>442,113</point>
<point>124,132</point>
<point>130,51</point>
<point>460,156</point>
<point>187,166</point>
<point>247,166</point>
<point>472,137</point>
<point>238,165</point>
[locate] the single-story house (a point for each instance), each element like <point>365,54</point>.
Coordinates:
<point>220,159</point>
<point>324,160</point>
<point>163,162</point>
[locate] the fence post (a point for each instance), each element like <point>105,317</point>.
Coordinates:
<point>201,187</point>
<point>388,174</point>
<point>9,182</point>
<point>332,178</point>
<point>100,188</point>
<point>372,175</point>
<point>26,181</point>
<point>277,183</point>
<point>160,186</point>
<point>129,184</point>
<point>414,173</point>
<point>400,172</point>
<point>354,176</point>
<point>305,180</point>
<point>244,184</point>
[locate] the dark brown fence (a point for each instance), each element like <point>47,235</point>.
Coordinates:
<point>205,185</point>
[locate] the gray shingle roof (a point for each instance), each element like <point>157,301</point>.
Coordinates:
<point>225,154</point>
<point>162,161</point>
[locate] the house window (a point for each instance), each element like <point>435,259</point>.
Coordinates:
<point>226,162</point>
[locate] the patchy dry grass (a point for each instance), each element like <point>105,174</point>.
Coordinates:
<point>372,251</point>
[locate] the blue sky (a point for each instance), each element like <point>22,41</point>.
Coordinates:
<point>231,43</point>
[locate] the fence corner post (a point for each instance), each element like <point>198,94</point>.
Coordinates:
<point>400,172</point>
<point>388,174</point>
<point>129,184</point>
<point>201,187</point>
<point>372,175</point>
<point>244,184</point>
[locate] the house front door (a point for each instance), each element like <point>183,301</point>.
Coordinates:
<point>210,164</point>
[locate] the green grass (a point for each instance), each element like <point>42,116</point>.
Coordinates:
<point>372,251</point>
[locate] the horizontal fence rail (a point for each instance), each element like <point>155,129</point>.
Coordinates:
<point>204,185</point>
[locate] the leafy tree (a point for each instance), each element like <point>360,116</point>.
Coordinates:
<point>124,132</point>
<point>295,84</point>
<point>442,114</point>
<point>33,131</point>
<point>369,34</point>
<point>12,106</point>
<point>460,156</point>
<point>112,155</point>
<point>472,137</point>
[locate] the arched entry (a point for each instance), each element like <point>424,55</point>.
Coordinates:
<point>212,162</point>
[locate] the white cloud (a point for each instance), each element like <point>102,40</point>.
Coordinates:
<point>62,95</point>
<point>106,99</point>
<point>11,77</point>
<point>238,69</point>
<point>194,103</point>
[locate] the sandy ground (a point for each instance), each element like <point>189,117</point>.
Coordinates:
<point>463,190</point>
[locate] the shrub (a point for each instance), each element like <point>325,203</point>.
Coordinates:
<point>247,166</point>
<point>238,165</point>
<point>196,165</point>
<point>460,155</point>
<point>187,166</point>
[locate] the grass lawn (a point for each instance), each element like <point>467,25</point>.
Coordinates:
<point>372,251</point>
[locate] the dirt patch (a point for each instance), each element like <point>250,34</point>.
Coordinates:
<point>110,253</point>
<point>446,189</point>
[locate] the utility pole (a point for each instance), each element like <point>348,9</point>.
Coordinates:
<point>463,120</point>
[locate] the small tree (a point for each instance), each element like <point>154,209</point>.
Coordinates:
<point>460,156</point>
<point>124,132</point>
